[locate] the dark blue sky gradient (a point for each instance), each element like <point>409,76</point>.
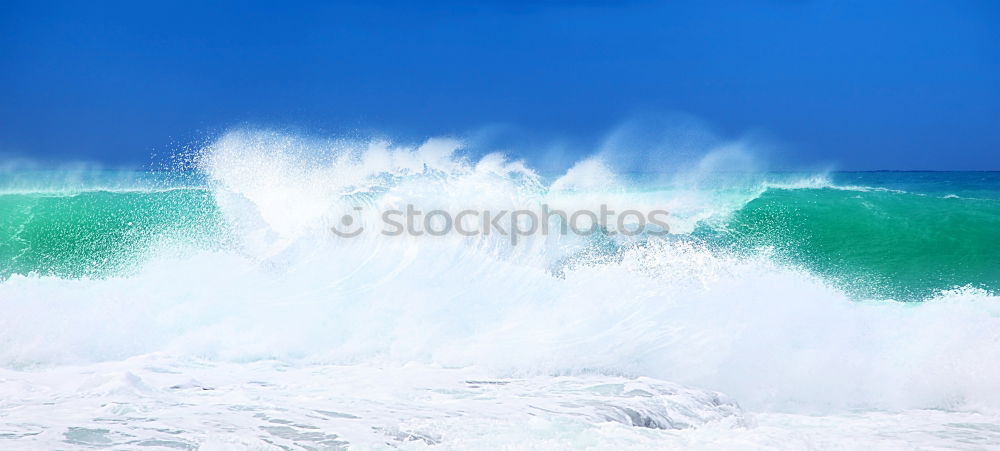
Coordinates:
<point>860,84</point>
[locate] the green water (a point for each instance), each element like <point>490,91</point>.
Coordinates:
<point>881,244</point>
<point>902,236</point>
<point>100,233</point>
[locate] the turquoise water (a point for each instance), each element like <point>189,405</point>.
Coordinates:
<point>145,305</point>
<point>899,235</point>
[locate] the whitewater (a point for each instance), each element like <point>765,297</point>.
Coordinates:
<point>210,307</point>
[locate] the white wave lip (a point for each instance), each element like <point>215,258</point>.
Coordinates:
<point>557,334</point>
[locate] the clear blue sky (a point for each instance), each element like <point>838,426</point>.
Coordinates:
<point>862,84</point>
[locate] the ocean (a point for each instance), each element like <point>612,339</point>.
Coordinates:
<point>209,305</point>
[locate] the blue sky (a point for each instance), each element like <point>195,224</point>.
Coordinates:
<point>857,84</point>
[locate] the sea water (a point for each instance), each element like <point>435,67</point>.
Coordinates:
<point>210,307</point>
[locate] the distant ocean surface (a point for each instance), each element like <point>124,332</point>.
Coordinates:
<point>211,306</point>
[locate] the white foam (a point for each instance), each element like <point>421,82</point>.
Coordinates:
<point>775,338</point>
